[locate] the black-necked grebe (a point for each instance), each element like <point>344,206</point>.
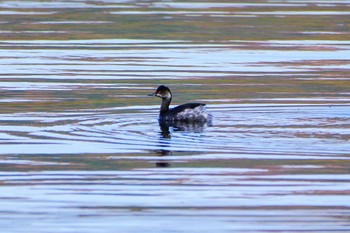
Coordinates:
<point>191,112</point>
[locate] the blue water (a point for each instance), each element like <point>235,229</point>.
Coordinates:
<point>81,147</point>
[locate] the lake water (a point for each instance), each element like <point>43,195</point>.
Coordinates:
<point>81,148</point>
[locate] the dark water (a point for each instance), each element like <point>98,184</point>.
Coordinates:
<point>81,148</point>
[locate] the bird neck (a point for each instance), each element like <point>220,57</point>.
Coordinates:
<point>164,107</point>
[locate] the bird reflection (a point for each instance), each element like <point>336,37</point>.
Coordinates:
<point>165,136</point>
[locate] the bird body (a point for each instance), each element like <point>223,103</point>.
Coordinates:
<point>190,112</point>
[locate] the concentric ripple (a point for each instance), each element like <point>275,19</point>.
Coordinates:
<point>287,130</point>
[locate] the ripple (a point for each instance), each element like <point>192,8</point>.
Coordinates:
<point>26,13</point>
<point>81,145</point>
<point>266,129</point>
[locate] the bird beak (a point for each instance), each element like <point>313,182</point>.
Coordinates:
<point>157,93</point>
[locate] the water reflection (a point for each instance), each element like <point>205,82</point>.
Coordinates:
<point>79,143</point>
<point>164,140</point>
<point>165,134</point>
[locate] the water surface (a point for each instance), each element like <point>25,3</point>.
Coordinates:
<point>81,148</point>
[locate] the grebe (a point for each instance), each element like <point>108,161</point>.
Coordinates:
<point>190,112</point>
